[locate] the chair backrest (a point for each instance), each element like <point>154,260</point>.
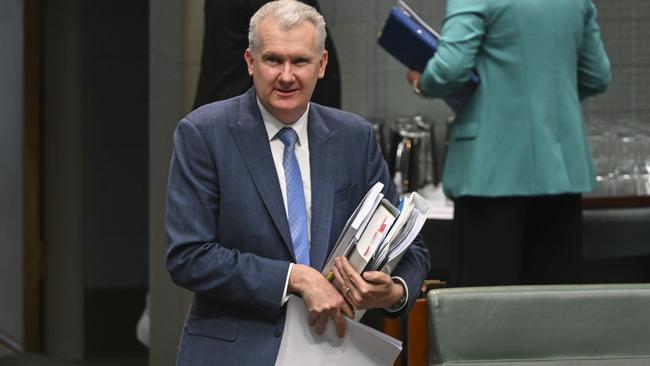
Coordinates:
<point>561,325</point>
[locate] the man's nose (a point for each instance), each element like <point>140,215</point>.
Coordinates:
<point>286,73</point>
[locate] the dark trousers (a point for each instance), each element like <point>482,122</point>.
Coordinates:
<point>516,240</point>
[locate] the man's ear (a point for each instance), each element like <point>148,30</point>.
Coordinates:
<point>248,56</point>
<point>322,64</point>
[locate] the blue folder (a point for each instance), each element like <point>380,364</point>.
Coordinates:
<point>412,42</point>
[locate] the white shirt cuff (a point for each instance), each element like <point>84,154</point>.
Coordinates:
<point>285,295</point>
<point>403,300</point>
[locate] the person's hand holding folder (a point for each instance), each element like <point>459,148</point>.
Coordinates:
<point>370,290</point>
<point>413,77</point>
<point>321,298</point>
<point>413,43</point>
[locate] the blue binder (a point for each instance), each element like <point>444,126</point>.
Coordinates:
<point>412,42</point>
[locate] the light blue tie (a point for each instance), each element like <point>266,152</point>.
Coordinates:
<point>296,207</point>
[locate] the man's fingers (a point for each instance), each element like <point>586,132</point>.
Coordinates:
<point>343,270</point>
<point>352,297</point>
<point>348,311</point>
<point>350,277</point>
<point>347,270</point>
<point>321,323</point>
<point>376,277</point>
<point>342,283</point>
<point>339,323</point>
<point>313,319</point>
<point>347,289</point>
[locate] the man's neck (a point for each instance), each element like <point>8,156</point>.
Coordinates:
<point>288,119</point>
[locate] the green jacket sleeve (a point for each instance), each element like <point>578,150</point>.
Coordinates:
<point>460,39</point>
<point>594,73</point>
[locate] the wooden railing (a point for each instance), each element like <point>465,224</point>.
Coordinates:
<point>415,325</point>
<point>616,202</point>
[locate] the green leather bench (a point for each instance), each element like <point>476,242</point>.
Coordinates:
<point>531,325</point>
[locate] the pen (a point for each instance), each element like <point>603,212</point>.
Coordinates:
<point>330,276</point>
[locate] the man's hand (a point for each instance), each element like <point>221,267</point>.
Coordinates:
<point>321,297</point>
<point>373,290</point>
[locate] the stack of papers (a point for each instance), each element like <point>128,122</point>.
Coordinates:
<point>354,227</point>
<point>377,234</point>
<point>364,251</point>
<point>361,345</point>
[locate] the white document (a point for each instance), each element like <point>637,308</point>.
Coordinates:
<point>368,204</point>
<point>354,227</point>
<point>361,345</point>
<point>405,237</point>
<point>381,221</point>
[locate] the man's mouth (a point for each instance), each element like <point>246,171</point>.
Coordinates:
<point>286,92</point>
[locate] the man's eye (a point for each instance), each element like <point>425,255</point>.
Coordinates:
<point>301,61</point>
<point>272,60</point>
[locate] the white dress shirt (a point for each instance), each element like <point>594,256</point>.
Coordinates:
<point>273,126</point>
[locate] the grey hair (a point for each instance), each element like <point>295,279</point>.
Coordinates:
<point>288,14</point>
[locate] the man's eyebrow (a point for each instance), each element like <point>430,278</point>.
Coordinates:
<point>270,54</point>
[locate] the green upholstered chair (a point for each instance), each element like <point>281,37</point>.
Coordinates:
<point>540,325</point>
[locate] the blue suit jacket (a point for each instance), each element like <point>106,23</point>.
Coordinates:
<point>229,239</point>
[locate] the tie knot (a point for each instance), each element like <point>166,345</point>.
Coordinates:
<point>288,136</point>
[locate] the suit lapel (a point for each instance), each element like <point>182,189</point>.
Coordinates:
<point>322,195</point>
<point>253,143</point>
<point>251,138</point>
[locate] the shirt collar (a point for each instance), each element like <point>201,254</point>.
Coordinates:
<point>273,125</point>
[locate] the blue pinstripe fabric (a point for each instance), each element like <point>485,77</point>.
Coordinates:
<point>296,208</point>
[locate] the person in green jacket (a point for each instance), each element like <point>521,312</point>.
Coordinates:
<point>518,158</point>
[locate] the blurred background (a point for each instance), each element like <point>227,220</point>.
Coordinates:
<point>90,92</point>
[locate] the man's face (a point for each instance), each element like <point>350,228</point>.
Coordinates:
<point>285,68</point>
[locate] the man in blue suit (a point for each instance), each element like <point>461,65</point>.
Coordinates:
<point>242,235</point>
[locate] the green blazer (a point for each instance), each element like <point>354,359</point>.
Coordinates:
<point>522,131</point>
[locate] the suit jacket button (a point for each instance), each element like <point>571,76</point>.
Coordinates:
<point>278,332</point>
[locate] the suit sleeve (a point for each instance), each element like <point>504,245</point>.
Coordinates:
<point>414,265</point>
<point>460,39</point>
<point>594,73</point>
<point>195,258</point>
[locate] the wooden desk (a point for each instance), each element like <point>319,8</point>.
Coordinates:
<point>416,340</point>
<point>615,202</point>
<point>416,326</point>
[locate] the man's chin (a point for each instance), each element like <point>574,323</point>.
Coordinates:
<point>287,113</point>
<point>287,104</point>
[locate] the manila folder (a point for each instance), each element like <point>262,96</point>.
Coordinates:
<point>361,345</point>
